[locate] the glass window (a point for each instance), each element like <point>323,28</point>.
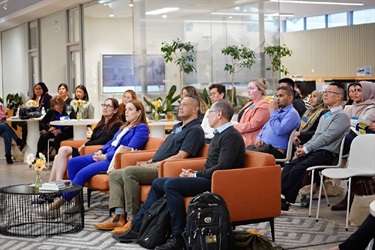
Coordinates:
<point>295,24</point>
<point>338,19</point>
<point>73,18</point>
<point>315,22</point>
<point>364,16</point>
<point>33,35</point>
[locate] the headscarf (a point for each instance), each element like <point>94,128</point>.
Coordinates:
<point>313,113</point>
<point>368,98</point>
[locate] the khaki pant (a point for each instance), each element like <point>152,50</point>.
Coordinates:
<point>125,188</point>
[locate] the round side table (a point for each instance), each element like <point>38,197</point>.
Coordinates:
<point>23,215</point>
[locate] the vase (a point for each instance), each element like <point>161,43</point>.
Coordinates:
<point>38,179</point>
<point>79,115</point>
<point>156,117</point>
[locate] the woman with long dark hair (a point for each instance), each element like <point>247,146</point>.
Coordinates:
<point>82,96</point>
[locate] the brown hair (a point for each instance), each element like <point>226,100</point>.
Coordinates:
<point>122,105</point>
<point>57,100</point>
<point>114,119</point>
<point>141,118</point>
<point>134,95</point>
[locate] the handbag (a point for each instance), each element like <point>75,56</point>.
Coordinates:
<point>29,112</point>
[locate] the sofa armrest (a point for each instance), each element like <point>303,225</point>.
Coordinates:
<point>73,143</point>
<point>251,193</point>
<point>131,158</point>
<point>173,168</point>
<point>90,149</point>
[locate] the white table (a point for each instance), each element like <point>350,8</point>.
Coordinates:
<point>79,127</point>
<point>157,128</point>
<point>33,133</point>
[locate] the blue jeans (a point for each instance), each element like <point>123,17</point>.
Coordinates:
<point>175,190</point>
<point>8,134</point>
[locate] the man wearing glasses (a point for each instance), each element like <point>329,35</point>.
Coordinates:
<point>321,149</point>
<point>217,92</point>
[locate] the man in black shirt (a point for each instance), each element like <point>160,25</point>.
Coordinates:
<point>298,104</point>
<point>226,151</point>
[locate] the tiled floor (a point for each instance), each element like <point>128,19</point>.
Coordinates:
<point>20,173</point>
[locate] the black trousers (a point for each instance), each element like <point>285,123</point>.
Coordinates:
<point>267,148</point>
<point>361,238</point>
<point>293,172</point>
<point>44,137</point>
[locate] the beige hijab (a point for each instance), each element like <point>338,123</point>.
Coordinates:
<point>312,113</point>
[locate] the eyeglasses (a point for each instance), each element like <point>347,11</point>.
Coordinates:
<point>329,92</point>
<point>107,106</point>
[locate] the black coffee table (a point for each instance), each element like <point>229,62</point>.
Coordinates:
<point>23,214</point>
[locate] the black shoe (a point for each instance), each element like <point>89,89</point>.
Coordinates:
<point>9,159</point>
<point>21,144</point>
<point>284,205</point>
<point>175,242</point>
<point>129,236</point>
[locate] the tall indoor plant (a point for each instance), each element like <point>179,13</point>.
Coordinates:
<point>241,58</point>
<point>275,54</point>
<point>182,54</point>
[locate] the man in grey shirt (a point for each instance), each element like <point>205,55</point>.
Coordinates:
<point>321,149</point>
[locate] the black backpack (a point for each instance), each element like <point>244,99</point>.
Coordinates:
<point>156,225</point>
<point>208,223</point>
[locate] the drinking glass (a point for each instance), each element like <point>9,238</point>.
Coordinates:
<point>69,110</point>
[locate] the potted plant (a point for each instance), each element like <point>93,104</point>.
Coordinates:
<point>160,106</point>
<point>14,101</point>
<point>241,57</point>
<point>275,53</point>
<point>181,54</point>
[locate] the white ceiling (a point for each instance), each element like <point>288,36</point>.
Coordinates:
<point>21,11</point>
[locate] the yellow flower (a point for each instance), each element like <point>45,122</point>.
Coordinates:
<point>157,104</point>
<point>39,164</point>
<point>267,99</point>
<point>254,232</point>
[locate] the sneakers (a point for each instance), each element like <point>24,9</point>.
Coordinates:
<point>129,236</point>
<point>117,220</point>
<point>175,243</point>
<point>284,205</point>
<point>121,230</point>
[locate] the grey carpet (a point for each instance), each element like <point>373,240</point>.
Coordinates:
<point>293,230</point>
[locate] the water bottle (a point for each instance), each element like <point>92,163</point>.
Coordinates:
<point>43,111</point>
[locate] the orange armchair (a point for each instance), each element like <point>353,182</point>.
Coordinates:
<point>252,193</point>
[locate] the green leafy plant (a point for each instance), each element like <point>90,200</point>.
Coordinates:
<point>160,106</point>
<point>1,100</point>
<point>241,58</point>
<point>14,101</point>
<point>275,53</point>
<point>181,54</point>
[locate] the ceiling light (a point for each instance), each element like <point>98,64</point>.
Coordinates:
<point>111,15</point>
<point>162,11</point>
<point>233,14</point>
<point>314,2</point>
<point>164,16</point>
<point>131,5</point>
<point>103,1</point>
<point>281,14</point>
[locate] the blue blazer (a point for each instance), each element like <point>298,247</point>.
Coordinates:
<point>135,138</point>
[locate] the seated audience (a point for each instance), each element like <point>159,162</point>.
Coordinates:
<point>298,104</point>
<point>351,91</point>
<point>303,91</point>
<point>360,239</point>
<point>133,135</point>
<point>104,131</point>
<point>217,92</point>
<point>274,136</point>
<point>60,133</point>
<point>202,105</point>
<point>82,95</point>
<point>186,139</point>
<point>321,149</point>
<point>126,97</point>
<point>8,134</point>
<point>362,109</point>
<point>255,113</point>
<point>310,119</point>
<point>227,141</point>
<point>63,91</point>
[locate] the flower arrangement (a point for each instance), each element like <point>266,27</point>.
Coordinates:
<point>31,103</point>
<point>39,164</point>
<point>79,104</point>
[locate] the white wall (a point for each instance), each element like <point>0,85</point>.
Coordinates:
<point>14,60</point>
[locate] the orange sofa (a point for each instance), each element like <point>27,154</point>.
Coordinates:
<point>252,193</point>
<point>100,182</point>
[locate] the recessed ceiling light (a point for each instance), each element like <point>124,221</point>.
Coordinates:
<point>315,2</point>
<point>111,15</point>
<point>162,11</point>
<point>131,5</point>
<point>233,14</point>
<point>164,16</point>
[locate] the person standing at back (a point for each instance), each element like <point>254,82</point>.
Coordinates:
<point>298,104</point>
<point>217,92</point>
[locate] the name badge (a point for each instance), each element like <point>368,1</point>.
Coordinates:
<point>251,106</point>
<point>178,130</point>
<point>326,115</point>
<point>304,119</point>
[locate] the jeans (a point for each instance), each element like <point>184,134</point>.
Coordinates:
<point>8,134</point>
<point>175,189</point>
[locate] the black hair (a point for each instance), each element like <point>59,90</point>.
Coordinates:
<point>220,88</point>
<point>288,81</point>
<point>86,98</point>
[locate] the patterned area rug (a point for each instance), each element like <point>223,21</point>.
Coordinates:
<point>293,230</point>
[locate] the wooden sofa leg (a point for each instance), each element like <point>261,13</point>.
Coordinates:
<point>272,224</point>
<point>88,197</point>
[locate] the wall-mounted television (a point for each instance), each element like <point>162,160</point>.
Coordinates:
<point>118,71</point>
